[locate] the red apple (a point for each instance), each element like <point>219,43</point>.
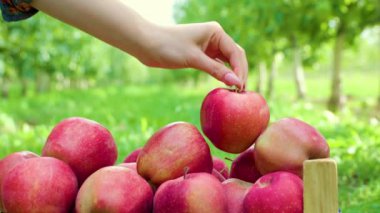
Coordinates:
<point>286,144</point>
<point>244,168</point>
<point>114,189</point>
<point>275,192</point>
<point>171,150</point>
<point>42,184</point>
<point>235,190</point>
<point>233,120</point>
<point>83,144</point>
<point>220,166</point>
<point>133,156</point>
<point>9,162</point>
<point>197,192</point>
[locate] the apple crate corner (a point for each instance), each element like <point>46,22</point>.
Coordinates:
<point>320,178</point>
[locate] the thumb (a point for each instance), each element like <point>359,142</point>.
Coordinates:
<point>216,69</point>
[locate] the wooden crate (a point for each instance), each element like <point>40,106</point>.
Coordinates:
<point>320,186</point>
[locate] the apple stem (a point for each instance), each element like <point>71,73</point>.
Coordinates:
<point>238,90</point>
<point>224,169</point>
<point>242,88</point>
<point>185,171</point>
<point>229,159</point>
<point>221,176</point>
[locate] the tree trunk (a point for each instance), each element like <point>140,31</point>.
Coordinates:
<point>24,87</point>
<point>4,88</point>
<point>378,97</point>
<point>48,80</point>
<point>39,82</point>
<point>336,101</point>
<point>261,77</point>
<point>298,72</point>
<point>42,82</point>
<point>272,76</point>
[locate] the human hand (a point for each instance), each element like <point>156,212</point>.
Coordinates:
<point>203,46</point>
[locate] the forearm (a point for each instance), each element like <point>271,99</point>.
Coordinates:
<point>105,20</point>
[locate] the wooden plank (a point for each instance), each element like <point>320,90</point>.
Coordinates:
<point>320,178</point>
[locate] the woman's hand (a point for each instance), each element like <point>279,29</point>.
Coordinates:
<point>204,46</point>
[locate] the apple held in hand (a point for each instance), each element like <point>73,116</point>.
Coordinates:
<point>9,162</point>
<point>286,144</point>
<point>235,190</point>
<point>83,144</point>
<point>196,192</point>
<point>172,149</point>
<point>244,167</point>
<point>42,184</point>
<point>275,192</point>
<point>114,189</point>
<point>233,120</point>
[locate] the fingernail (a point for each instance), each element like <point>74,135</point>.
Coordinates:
<point>231,79</point>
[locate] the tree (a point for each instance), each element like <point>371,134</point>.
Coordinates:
<point>41,50</point>
<point>261,77</point>
<point>349,19</point>
<point>301,25</point>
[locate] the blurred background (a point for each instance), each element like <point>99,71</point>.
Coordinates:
<point>318,61</point>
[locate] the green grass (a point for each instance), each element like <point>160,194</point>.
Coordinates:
<point>134,113</point>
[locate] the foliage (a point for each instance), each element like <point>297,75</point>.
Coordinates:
<point>352,16</point>
<point>266,27</point>
<point>43,48</point>
<point>29,46</point>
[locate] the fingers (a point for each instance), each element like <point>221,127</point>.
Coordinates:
<point>243,64</point>
<point>216,69</point>
<point>235,55</point>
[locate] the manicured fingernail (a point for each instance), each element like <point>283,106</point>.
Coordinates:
<point>231,79</point>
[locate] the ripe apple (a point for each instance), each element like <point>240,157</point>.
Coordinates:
<point>114,189</point>
<point>286,144</point>
<point>41,184</point>
<point>233,120</point>
<point>196,192</point>
<point>83,144</point>
<point>275,192</point>
<point>244,168</point>
<point>171,150</point>
<point>220,166</point>
<point>132,157</point>
<point>9,162</point>
<point>235,190</point>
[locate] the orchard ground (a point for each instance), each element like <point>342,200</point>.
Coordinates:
<point>134,113</point>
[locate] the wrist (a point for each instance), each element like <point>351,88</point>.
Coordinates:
<point>139,39</point>
<point>149,41</point>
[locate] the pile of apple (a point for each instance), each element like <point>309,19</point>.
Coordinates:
<point>174,171</point>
